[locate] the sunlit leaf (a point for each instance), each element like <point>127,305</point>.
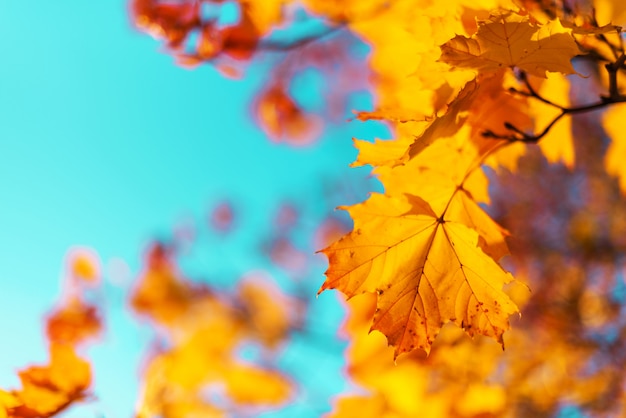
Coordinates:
<point>426,271</point>
<point>511,40</point>
<point>51,388</point>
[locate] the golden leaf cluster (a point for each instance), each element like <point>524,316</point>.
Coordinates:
<point>503,201</point>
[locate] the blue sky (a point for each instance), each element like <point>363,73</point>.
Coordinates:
<point>105,143</point>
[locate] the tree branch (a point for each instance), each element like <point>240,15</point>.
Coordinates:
<point>287,45</point>
<point>614,96</point>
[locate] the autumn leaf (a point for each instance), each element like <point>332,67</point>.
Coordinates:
<point>426,270</point>
<point>73,323</point>
<point>171,21</point>
<point>160,294</point>
<point>588,29</point>
<point>240,41</point>
<point>494,106</point>
<point>49,389</point>
<point>436,173</point>
<point>511,40</point>
<point>204,328</point>
<point>485,105</point>
<point>381,152</point>
<point>448,124</point>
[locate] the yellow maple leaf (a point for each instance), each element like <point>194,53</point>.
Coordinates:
<point>51,388</point>
<point>485,104</point>
<point>427,270</point>
<point>448,124</point>
<point>410,41</point>
<point>381,152</point>
<point>511,40</point>
<point>436,172</point>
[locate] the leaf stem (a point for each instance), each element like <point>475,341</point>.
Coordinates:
<point>475,165</point>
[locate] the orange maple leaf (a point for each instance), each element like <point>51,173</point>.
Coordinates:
<point>426,270</point>
<point>74,322</point>
<point>511,40</point>
<point>47,390</point>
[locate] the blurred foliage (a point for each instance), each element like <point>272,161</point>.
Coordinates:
<point>499,145</point>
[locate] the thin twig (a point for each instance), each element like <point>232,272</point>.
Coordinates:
<point>533,93</point>
<point>286,45</point>
<point>614,96</point>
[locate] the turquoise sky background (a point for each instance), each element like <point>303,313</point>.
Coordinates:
<point>105,143</point>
